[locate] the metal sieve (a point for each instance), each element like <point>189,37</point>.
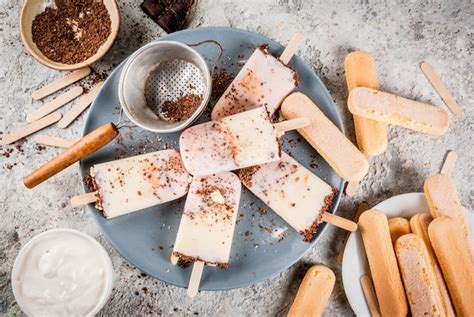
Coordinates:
<point>159,72</point>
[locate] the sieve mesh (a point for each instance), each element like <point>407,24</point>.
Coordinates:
<point>171,80</point>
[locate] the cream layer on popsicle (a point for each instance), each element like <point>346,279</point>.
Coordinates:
<point>207,226</point>
<point>138,182</point>
<point>263,81</point>
<point>241,140</point>
<point>292,191</point>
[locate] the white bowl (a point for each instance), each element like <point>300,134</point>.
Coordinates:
<point>354,263</point>
<point>101,301</point>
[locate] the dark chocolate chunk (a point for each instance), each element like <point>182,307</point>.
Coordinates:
<point>171,15</point>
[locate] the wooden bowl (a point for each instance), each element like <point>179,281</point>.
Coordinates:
<point>31,8</point>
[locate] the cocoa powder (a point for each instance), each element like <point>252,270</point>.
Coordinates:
<point>181,109</point>
<point>71,31</point>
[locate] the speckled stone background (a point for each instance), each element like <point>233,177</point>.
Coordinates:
<point>399,34</point>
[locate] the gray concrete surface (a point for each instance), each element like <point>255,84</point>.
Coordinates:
<point>399,34</point>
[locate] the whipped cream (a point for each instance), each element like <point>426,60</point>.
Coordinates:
<point>62,272</point>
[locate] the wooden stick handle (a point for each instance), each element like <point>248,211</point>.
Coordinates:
<point>84,199</point>
<point>195,279</point>
<point>449,162</point>
<point>54,141</point>
<point>31,128</point>
<point>61,83</point>
<point>441,89</point>
<point>291,48</point>
<point>370,297</point>
<point>80,106</point>
<point>292,124</point>
<point>57,103</point>
<point>339,222</point>
<point>82,148</point>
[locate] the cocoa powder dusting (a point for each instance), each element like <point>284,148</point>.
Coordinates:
<point>220,82</point>
<point>181,109</point>
<point>71,31</point>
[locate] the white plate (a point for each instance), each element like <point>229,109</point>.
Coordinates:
<point>354,263</point>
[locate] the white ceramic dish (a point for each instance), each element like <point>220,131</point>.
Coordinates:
<point>354,263</point>
<point>96,246</point>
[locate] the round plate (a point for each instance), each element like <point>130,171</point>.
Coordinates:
<point>146,237</point>
<point>354,263</point>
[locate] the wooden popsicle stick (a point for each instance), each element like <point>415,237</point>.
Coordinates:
<point>31,128</point>
<point>195,279</point>
<point>449,162</point>
<point>84,199</point>
<point>362,207</point>
<point>57,103</point>
<point>81,105</point>
<point>441,89</point>
<point>61,83</point>
<point>292,124</point>
<point>54,141</point>
<point>370,297</point>
<point>339,222</point>
<point>89,144</point>
<point>291,48</point>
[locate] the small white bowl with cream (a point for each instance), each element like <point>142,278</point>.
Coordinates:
<point>62,272</point>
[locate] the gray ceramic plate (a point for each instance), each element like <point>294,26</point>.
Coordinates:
<point>145,238</point>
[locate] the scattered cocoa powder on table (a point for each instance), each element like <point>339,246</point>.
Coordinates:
<point>71,31</point>
<point>181,109</point>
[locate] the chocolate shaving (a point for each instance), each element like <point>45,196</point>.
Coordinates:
<point>171,16</point>
<point>220,82</point>
<point>246,175</point>
<point>186,260</point>
<point>181,109</point>
<point>309,233</point>
<point>71,31</point>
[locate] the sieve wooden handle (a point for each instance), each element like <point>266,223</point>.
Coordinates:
<point>89,144</point>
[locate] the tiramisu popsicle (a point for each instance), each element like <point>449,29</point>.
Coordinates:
<point>137,182</point>
<point>373,226</point>
<point>455,261</point>
<point>264,80</point>
<point>245,139</point>
<point>384,107</point>
<point>293,192</point>
<point>421,284</point>
<point>207,225</point>
<point>343,156</point>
